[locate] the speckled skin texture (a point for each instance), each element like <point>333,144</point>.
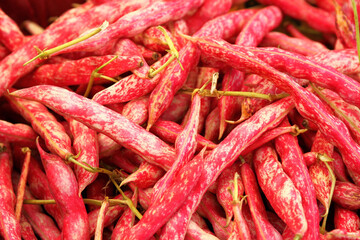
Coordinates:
<point>346,219</point>
<point>65,193</point>
<point>279,189</point>
<point>9,226</point>
<point>10,34</point>
<point>298,9</point>
<point>293,163</point>
<point>17,133</point>
<point>308,105</point>
<point>85,143</point>
<point>347,195</point>
<point>75,72</point>
<point>106,121</point>
<point>11,69</point>
<point>224,155</point>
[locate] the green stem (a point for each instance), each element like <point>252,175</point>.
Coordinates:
<point>95,74</point>
<point>334,107</point>
<point>207,93</point>
<point>356,27</point>
<point>44,54</point>
<point>128,200</point>
<point>325,159</point>
<point>153,72</point>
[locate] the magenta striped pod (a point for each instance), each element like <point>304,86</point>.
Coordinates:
<point>226,153</point>
<point>338,234</point>
<point>149,56</point>
<point>251,105</point>
<point>315,17</point>
<point>112,214</point>
<point>17,133</point>
<point>178,108</point>
<point>107,146</point>
<point>204,74</point>
<point>212,125</point>
<point>169,131</point>
<point>194,232</point>
<point>163,94</point>
<point>153,38</point>
<point>45,124</point>
<point>280,190</point>
<point>347,195</point>
<point>345,219</point>
<point>66,194</point>
<point>43,224</point>
<point>249,221</point>
<point>345,28</point>
<point>179,27</point>
<point>26,231</point>
<point>39,187</point>
<point>226,182</point>
<point>130,87</point>
<point>137,110</point>
<point>241,226</point>
<point>132,24</point>
<point>301,46</point>
<point>59,33</point>
<point>75,72</point>
<point>210,209</point>
<point>126,47</point>
<point>319,173</point>
<point>174,78</point>
<point>293,164</point>
<point>185,147</point>
<point>9,225</point>
<point>161,210</point>
<point>147,175</point>
<point>85,144</point>
<point>126,221</point>
<point>307,103</point>
<point>340,170</point>
<point>344,61</point>
<point>200,222</point>
<point>261,224</point>
<point>326,77</point>
<point>106,121</point>
<point>208,11</point>
<point>272,134</point>
<point>101,220</point>
<point>351,113</point>
<point>10,34</point>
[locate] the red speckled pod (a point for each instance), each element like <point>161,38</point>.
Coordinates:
<point>345,219</point>
<point>9,226</point>
<point>65,193</point>
<point>347,195</point>
<point>301,46</point>
<point>294,166</point>
<point>10,34</point>
<point>315,17</point>
<point>75,72</point>
<point>106,121</point>
<point>85,143</point>
<point>280,190</point>
<point>58,33</point>
<point>18,133</point>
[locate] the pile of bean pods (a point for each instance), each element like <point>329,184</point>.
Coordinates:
<point>182,119</point>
